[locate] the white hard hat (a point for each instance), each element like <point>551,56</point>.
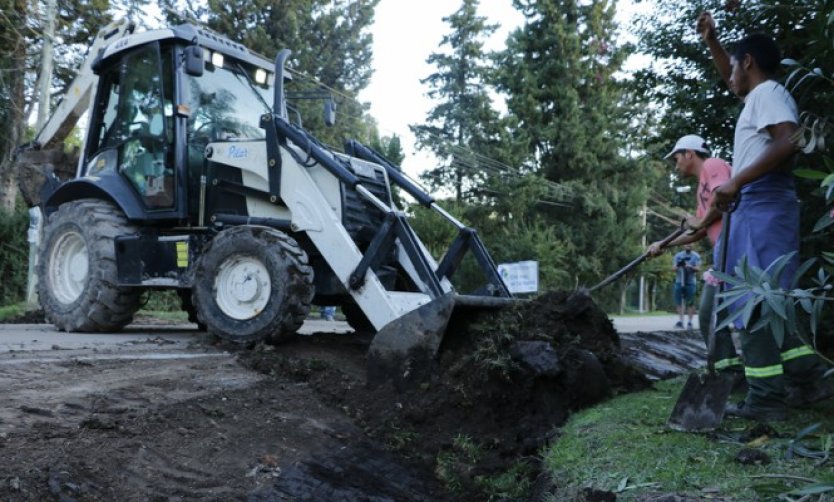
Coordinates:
<point>689,142</point>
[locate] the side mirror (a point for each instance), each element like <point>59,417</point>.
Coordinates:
<point>330,112</point>
<point>194,65</point>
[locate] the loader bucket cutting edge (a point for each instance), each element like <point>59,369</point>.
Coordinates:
<point>404,351</point>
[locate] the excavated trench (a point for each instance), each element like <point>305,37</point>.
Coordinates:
<point>309,428</point>
<point>506,381</point>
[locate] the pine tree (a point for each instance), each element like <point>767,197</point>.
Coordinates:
<point>559,75</point>
<point>330,42</point>
<point>463,123</point>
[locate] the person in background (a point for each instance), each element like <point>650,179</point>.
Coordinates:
<point>328,313</point>
<point>686,264</point>
<point>765,223</point>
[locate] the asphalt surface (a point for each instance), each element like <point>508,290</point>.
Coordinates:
<point>634,324</point>
<point>43,337</point>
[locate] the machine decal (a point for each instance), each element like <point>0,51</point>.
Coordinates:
<point>182,254</point>
<point>236,152</point>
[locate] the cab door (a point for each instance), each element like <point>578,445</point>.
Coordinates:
<point>131,141</point>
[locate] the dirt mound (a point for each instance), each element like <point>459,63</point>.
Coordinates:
<point>504,382</point>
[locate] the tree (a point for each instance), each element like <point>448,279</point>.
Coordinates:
<point>330,43</point>
<point>559,75</point>
<point>464,120</point>
<point>77,23</point>
<point>13,63</point>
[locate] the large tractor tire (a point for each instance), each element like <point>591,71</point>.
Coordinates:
<point>251,284</point>
<point>77,277</point>
<point>187,306</point>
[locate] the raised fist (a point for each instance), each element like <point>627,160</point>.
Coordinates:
<point>706,26</point>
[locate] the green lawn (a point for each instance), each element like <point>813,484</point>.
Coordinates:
<point>624,446</point>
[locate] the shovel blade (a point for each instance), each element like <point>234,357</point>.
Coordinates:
<point>701,405</point>
<point>403,351</point>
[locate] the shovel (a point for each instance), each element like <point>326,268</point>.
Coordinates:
<point>640,259</point>
<point>701,405</point>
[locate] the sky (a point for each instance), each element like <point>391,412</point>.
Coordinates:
<point>405,34</point>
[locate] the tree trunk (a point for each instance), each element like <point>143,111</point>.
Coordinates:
<point>623,298</point>
<point>16,86</point>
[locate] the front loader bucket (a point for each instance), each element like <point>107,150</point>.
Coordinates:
<point>404,351</point>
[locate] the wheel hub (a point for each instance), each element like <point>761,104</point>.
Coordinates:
<point>242,287</point>
<point>69,266</point>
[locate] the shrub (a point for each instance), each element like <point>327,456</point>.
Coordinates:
<point>14,255</point>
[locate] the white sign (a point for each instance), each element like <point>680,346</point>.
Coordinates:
<point>521,276</point>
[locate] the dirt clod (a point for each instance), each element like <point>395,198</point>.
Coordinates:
<point>752,456</point>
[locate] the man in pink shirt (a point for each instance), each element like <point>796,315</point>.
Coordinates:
<point>692,159</point>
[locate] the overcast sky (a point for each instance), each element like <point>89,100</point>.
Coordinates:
<point>405,33</point>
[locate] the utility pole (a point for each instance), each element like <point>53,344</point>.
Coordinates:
<point>44,88</point>
<point>641,307</point>
<point>47,56</point>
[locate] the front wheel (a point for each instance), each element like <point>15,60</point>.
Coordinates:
<point>253,283</point>
<point>77,277</point>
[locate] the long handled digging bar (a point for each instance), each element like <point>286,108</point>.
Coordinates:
<point>701,405</point>
<point>640,259</point>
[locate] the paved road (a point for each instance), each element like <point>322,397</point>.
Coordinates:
<point>43,337</point>
<point>647,323</point>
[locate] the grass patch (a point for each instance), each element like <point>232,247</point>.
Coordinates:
<point>11,311</point>
<point>178,316</point>
<point>623,446</point>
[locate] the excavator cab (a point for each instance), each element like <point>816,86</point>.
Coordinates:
<point>154,119</point>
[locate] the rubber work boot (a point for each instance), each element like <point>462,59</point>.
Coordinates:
<point>800,397</point>
<point>679,325</point>
<point>744,410</point>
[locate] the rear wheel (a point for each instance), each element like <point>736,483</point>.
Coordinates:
<point>253,283</point>
<point>77,276</point>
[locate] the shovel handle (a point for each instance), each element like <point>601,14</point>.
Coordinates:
<point>640,259</point>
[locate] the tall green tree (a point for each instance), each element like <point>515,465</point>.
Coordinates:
<point>330,42</point>
<point>14,16</point>
<point>20,32</point>
<point>463,126</point>
<point>559,73</point>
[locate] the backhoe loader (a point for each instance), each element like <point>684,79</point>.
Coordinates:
<point>193,177</point>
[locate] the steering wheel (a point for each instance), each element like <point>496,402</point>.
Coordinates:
<point>205,133</point>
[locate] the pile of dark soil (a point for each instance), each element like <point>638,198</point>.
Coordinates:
<point>504,383</point>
